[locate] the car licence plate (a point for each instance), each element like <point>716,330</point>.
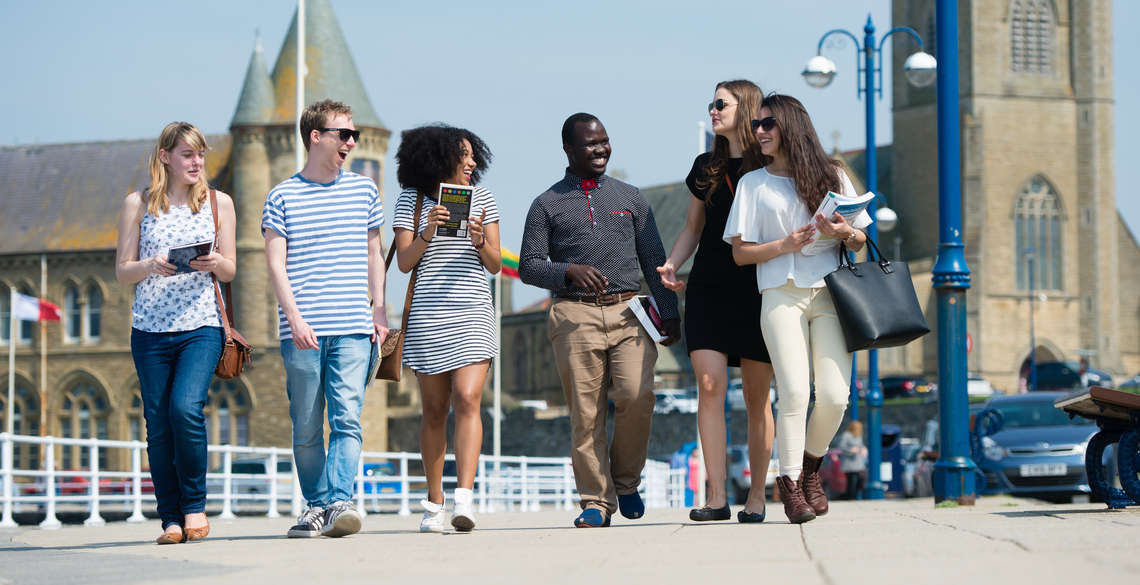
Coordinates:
<point>1044,469</point>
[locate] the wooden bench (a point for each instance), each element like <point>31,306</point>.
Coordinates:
<point>1117,414</point>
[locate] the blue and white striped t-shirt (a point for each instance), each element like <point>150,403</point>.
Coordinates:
<point>327,227</point>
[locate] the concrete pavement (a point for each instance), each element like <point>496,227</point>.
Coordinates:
<point>1001,540</point>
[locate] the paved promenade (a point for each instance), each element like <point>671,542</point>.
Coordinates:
<point>1001,540</point>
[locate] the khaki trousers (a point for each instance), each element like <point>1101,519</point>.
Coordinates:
<point>603,354</point>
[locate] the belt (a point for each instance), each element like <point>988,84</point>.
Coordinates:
<point>603,300</point>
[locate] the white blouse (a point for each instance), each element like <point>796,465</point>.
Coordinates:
<point>766,209</point>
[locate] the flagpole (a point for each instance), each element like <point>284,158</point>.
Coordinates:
<point>299,151</point>
<point>498,413</point>
<point>12,361</point>
<point>702,140</point>
<point>43,357</point>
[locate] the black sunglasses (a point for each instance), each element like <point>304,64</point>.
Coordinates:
<point>767,124</point>
<point>719,105</point>
<point>345,133</point>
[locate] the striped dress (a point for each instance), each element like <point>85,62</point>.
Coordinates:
<point>452,320</point>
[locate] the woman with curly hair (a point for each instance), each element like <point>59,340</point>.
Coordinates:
<point>722,305</point>
<point>770,223</point>
<point>450,338</point>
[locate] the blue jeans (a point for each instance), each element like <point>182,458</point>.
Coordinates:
<point>175,370</point>
<point>335,373</point>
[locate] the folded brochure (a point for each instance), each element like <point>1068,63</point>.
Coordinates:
<point>848,207</point>
<point>457,200</point>
<point>180,256</point>
<point>645,308</point>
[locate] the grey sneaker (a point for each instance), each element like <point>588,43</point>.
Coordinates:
<point>341,519</point>
<point>309,523</point>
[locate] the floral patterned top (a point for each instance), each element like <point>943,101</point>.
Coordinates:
<point>182,302</point>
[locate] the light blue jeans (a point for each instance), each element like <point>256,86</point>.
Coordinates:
<point>335,373</point>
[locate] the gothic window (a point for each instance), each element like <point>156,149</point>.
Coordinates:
<point>1037,236</point>
<point>1031,36</point>
<point>94,312</point>
<point>5,315</point>
<point>72,314</point>
<point>25,421</point>
<point>83,415</point>
<point>227,413</point>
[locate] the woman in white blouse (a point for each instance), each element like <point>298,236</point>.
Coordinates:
<point>770,223</point>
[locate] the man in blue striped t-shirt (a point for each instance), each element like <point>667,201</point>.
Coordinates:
<point>322,242</point>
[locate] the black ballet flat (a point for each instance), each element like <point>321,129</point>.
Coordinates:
<point>707,514</point>
<point>751,517</point>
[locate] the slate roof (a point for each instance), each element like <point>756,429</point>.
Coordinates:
<point>332,73</point>
<point>67,197</point>
<point>255,106</point>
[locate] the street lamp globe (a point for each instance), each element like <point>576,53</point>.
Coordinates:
<point>819,71</point>
<point>886,218</point>
<point>921,69</point>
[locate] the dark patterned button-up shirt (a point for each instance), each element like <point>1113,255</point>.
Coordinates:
<point>609,227</point>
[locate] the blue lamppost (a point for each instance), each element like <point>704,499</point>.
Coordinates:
<point>920,71</point>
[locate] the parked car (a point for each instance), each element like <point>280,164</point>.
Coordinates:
<point>675,400</point>
<point>740,473</point>
<point>905,386</point>
<point>79,485</point>
<point>381,478</point>
<point>1038,451</point>
<point>976,385</point>
<point>251,476</point>
<point>1068,377</point>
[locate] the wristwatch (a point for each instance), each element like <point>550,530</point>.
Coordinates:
<point>851,239</point>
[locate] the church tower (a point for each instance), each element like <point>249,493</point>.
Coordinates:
<point>1039,204</point>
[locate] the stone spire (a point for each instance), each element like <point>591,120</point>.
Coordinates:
<point>255,106</point>
<point>332,73</point>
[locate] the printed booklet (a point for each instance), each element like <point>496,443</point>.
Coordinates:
<point>646,310</point>
<point>180,256</point>
<point>457,200</point>
<point>848,207</point>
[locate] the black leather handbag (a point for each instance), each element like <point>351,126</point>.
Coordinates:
<point>875,301</point>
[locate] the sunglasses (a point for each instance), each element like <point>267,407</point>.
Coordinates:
<point>767,124</point>
<point>719,105</point>
<point>345,133</point>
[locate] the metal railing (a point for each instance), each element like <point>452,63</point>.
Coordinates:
<point>385,482</point>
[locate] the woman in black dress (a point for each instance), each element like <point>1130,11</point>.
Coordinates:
<point>722,306</point>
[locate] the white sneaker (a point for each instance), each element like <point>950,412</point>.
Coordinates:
<point>463,516</point>
<point>435,517</point>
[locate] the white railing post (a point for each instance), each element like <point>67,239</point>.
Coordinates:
<point>136,483</point>
<point>272,511</point>
<point>481,477</point>
<point>524,489</point>
<point>360,487</point>
<point>50,521</point>
<point>567,478</point>
<point>405,508</point>
<point>7,521</point>
<point>94,519</point>
<point>227,484</point>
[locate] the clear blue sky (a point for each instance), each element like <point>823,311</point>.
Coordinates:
<point>81,71</point>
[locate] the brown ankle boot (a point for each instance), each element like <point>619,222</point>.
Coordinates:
<point>795,507</point>
<point>813,486</point>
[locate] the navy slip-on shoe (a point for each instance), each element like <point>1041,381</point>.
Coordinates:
<point>751,517</point>
<point>592,518</point>
<point>631,505</point>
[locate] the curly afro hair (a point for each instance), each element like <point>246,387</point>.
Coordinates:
<point>429,155</point>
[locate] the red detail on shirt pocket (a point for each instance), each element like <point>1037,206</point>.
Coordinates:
<point>620,213</point>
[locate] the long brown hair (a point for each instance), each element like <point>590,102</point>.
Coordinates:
<point>748,97</point>
<point>813,171</point>
<point>156,198</point>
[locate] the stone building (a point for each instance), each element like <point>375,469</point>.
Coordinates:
<point>58,212</point>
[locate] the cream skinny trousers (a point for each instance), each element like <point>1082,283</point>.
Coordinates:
<point>804,337</point>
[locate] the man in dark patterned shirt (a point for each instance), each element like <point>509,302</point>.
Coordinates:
<point>589,238</point>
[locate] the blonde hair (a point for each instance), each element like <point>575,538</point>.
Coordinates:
<point>157,200</point>
<point>855,428</point>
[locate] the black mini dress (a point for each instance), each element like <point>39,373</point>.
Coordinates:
<point>722,301</point>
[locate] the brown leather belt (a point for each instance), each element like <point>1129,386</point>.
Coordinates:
<point>603,300</point>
